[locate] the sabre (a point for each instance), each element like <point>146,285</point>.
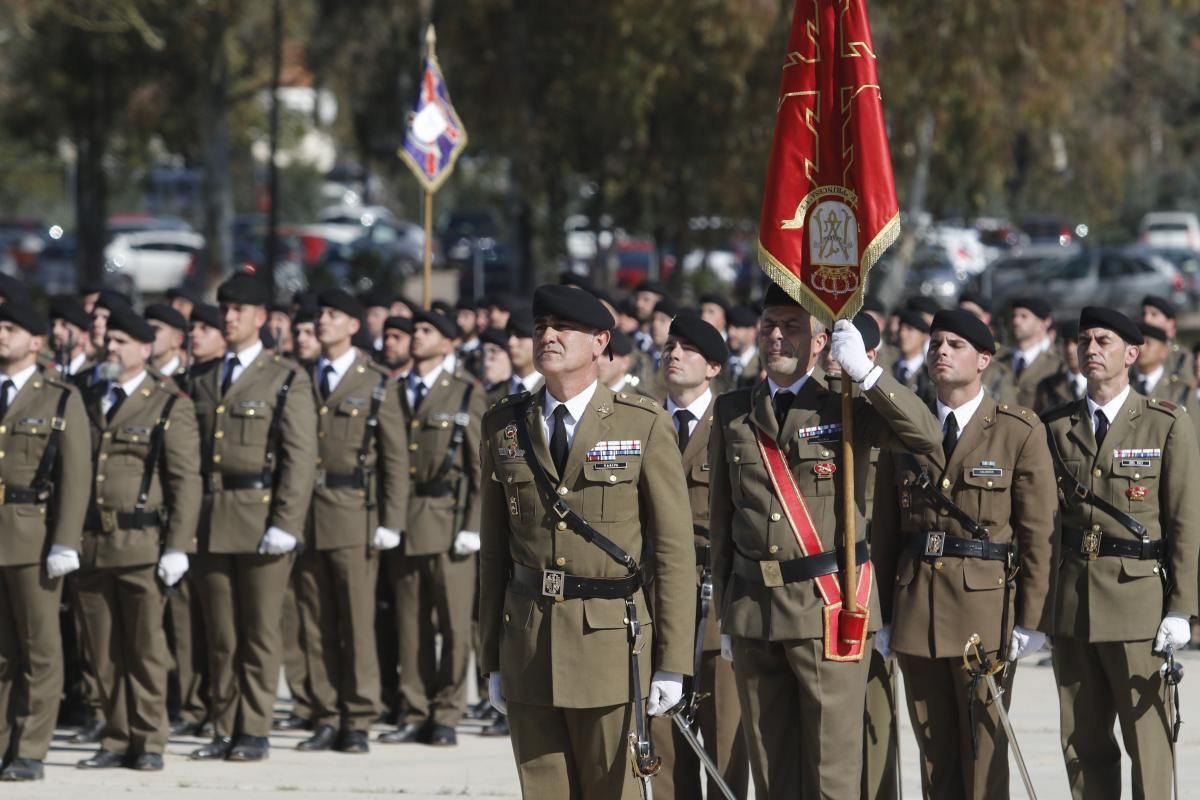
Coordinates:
<point>682,715</point>
<point>1172,672</point>
<point>987,670</point>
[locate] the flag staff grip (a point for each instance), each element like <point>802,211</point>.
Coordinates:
<point>849,507</point>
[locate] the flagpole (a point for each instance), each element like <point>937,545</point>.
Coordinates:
<point>849,507</point>
<point>428,259</point>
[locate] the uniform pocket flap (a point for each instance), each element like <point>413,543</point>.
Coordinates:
<point>610,471</point>
<point>609,613</point>
<point>701,473</point>
<point>352,406</point>
<point>1136,468</point>
<point>32,426</point>
<point>136,434</point>
<point>980,575</point>
<point>249,409</point>
<point>1139,567</point>
<point>513,472</point>
<point>987,477</point>
<point>742,452</point>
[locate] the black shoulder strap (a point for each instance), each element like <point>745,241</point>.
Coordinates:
<point>276,429</point>
<point>377,395</point>
<point>41,478</point>
<point>941,501</point>
<point>461,421</point>
<point>156,444</point>
<point>1086,495</point>
<point>574,522</point>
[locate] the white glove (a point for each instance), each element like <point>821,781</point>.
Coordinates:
<point>172,566</point>
<point>1174,631</point>
<point>385,539</point>
<point>666,690</point>
<point>495,695</point>
<point>849,351</point>
<point>276,542</point>
<point>1024,642</point>
<point>883,642</point>
<point>466,543</point>
<point>61,560</point>
<point>727,647</point>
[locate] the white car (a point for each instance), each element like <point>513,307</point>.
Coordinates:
<point>1170,230</point>
<point>150,262</point>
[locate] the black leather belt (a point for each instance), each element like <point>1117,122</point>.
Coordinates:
<point>347,480</point>
<point>935,544</point>
<point>228,481</point>
<point>777,573</point>
<point>1092,543</point>
<point>13,495</point>
<point>126,520</point>
<point>561,586</point>
<point>703,555</point>
<point>438,489</point>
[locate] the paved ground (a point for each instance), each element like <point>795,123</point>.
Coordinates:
<point>483,768</point>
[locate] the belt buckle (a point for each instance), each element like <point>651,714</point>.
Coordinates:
<point>1090,546</point>
<point>935,544</point>
<point>554,582</point>
<point>771,574</point>
<point>319,479</point>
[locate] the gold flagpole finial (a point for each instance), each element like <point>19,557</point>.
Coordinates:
<point>430,39</point>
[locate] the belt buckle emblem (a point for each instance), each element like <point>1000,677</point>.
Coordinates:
<point>1091,544</point>
<point>553,583</point>
<point>771,574</point>
<point>935,543</point>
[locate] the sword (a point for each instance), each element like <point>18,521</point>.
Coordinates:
<point>987,670</point>
<point>683,721</point>
<point>1172,672</point>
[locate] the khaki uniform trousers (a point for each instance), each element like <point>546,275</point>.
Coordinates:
<point>295,657</point>
<point>432,689</point>
<point>242,597</point>
<point>31,676</point>
<point>573,753</point>
<point>1097,684</point>
<point>881,739</point>
<point>939,696</point>
<point>185,625</point>
<point>798,713</point>
<point>122,610</point>
<point>336,592</point>
<point>720,717</point>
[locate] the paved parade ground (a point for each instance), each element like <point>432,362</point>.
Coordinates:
<point>481,767</point>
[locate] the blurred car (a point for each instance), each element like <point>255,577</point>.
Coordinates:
<point>1186,261</point>
<point>137,223</point>
<point>55,270</point>
<point>961,247</point>
<point>1174,230</point>
<point>150,261</point>
<point>1049,229</point>
<point>1018,266</point>
<point>634,260</point>
<point>722,264</point>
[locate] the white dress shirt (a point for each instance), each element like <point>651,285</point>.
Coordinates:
<point>1152,378</point>
<point>341,365</point>
<point>1111,410</point>
<point>18,380</point>
<point>129,387</point>
<point>575,408</point>
<point>171,367</point>
<point>244,359</point>
<point>1032,353</point>
<point>412,379</point>
<point>697,409</point>
<point>77,363</point>
<point>962,414</point>
<point>794,388</point>
<point>527,384</point>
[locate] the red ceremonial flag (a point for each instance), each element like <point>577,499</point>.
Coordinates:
<point>829,207</point>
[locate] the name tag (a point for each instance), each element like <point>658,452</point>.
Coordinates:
<point>1136,462</point>
<point>252,404</point>
<point>31,421</point>
<point>610,465</point>
<point>137,430</point>
<point>986,472</point>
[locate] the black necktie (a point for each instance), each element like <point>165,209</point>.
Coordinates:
<point>230,366</point>
<point>558,439</point>
<point>735,367</point>
<point>950,437</point>
<point>419,389</point>
<point>1101,426</point>
<point>901,372</point>
<point>1141,385</point>
<point>1018,366</point>
<point>4,389</point>
<point>783,402</point>
<point>118,398</point>
<point>326,371</point>
<point>683,419</point>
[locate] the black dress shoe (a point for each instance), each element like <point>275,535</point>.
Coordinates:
<point>216,750</point>
<point>353,742</point>
<point>443,736</point>
<point>90,733</point>
<point>293,722</point>
<point>250,748</point>
<point>323,739</point>
<point>149,762</point>
<point>206,731</point>
<point>481,710</point>
<point>23,769</point>
<point>104,759</point>
<point>181,727</point>
<point>497,728</point>
<point>405,734</point>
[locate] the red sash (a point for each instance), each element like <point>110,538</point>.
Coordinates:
<point>845,631</point>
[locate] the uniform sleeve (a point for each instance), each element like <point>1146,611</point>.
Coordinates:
<point>720,513</point>
<point>179,469</point>
<point>495,562</point>
<point>73,474</point>
<point>896,419</point>
<point>391,461</point>
<point>1035,528</point>
<point>297,468</point>
<point>470,455</point>
<point>1180,514</point>
<point>885,533</point>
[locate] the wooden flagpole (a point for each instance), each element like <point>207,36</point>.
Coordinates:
<point>427,283</point>
<point>849,508</point>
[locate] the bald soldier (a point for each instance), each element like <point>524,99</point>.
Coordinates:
<point>964,542</point>
<point>1127,581</point>
<point>802,713</point>
<point>581,488</point>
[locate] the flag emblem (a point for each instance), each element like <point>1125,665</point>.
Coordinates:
<point>435,134</point>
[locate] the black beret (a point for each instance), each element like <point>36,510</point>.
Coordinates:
<point>1110,319</point>
<point>1038,306</point>
<point>621,343</point>
<point>572,304</point>
<point>184,293</point>
<point>667,306</point>
<point>266,336</point>
<point>520,321</point>
<point>246,290</point>
<point>165,314</point>
<point>495,336</point>
<point>112,300</point>
<point>873,303</point>
<point>402,324</point>
<point>502,301</point>
<point>1069,330</point>
<point>69,309</point>
<point>13,290</point>
<point>24,315</point>
<point>652,286</point>
<point>442,307</point>
<point>340,300</point>
<point>1161,303</point>
<point>975,297</point>
<point>715,299</point>
<point>741,317</point>
<point>573,279</point>
<point>404,301</point>
<point>923,304</point>
<point>306,313</point>
<point>208,314</point>
<point>869,329</point>
<point>776,296</point>
<point>465,304</point>
<point>445,326</point>
<point>363,340</point>
<point>124,318</point>
<point>704,337</point>
<point>912,318</point>
<point>376,297</point>
<point>1152,332</point>
<point>90,287</point>
<point>965,324</point>
<point>627,307</point>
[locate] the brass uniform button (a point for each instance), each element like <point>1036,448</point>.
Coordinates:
<point>945,483</point>
<point>562,490</point>
<point>414,447</point>
<point>218,434</point>
<point>612,478</point>
<point>737,459</point>
<point>560,561</point>
<point>938,564</point>
<point>773,549</point>
<point>562,526</point>
<point>506,616</point>
<point>220,409</point>
<point>775,516</point>
<point>1097,473</point>
<point>216,458</point>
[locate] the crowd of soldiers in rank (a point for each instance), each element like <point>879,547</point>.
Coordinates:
<point>185,538</point>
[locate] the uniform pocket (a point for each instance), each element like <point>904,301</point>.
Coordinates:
<point>1133,568</point>
<point>743,459</point>
<point>609,493</point>
<point>520,493</point>
<point>30,436</point>
<point>989,485</point>
<point>981,576</point>
<point>251,419</point>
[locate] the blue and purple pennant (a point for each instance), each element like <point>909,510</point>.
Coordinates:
<point>435,134</point>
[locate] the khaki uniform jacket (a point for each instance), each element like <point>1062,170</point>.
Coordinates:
<point>746,516</point>
<point>1113,599</point>
<point>1170,387</point>
<point>1025,388</point>
<point>340,517</point>
<point>29,530</point>
<point>119,451</point>
<point>1055,390</point>
<point>431,520</point>
<point>574,653</point>
<point>998,382</point>
<point>934,605</point>
<point>233,440</point>
<point>697,472</point>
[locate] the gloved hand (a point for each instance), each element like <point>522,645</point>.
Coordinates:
<point>466,543</point>
<point>1174,630</point>
<point>276,542</point>
<point>385,539</point>
<point>666,690</point>
<point>61,561</point>
<point>848,350</point>
<point>495,694</point>
<point>1024,642</point>
<point>883,642</point>
<point>172,566</point>
<point>727,647</point>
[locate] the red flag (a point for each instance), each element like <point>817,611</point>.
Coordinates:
<point>829,208</point>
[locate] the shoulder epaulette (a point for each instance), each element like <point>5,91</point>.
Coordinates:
<point>1018,412</point>
<point>1165,406</point>
<point>509,400</point>
<point>1059,411</point>
<point>638,401</point>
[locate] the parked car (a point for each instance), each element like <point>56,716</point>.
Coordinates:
<point>1018,266</point>
<point>1176,230</point>
<point>1048,229</point>
<point>151,261</point>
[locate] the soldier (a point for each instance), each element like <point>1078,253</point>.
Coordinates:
<point>44,479</point>
<point>692,359</point>
<point>208,344</point>
<point>170,339</point>
<point>561,606</point>
<point>258,462</point>
<point>616,371</point>
<point>525,376</point>
<point>183,300</point>
<point>1127,581</point>
<point>70,333</point>
<point>469,352</point>
<point>987,569</point>
<point>434,570</point>
<point>1161,312</point>
<point>1033,357</point>
<point>653,384</point>
<point>647,297</point>
<point>145,507</point>
<point>1069,383</point>
<point>1149,375</point>
<point>912,340</point>
<point>397,345</point>
<point>714,309</point>
<point>795,703</point>
<point>497,366</point>
<point>743,367</point>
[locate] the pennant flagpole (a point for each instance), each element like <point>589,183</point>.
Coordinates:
<point>427,257</point>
